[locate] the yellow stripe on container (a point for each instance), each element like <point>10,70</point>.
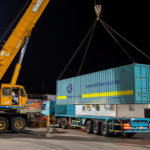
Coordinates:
<point>114,93</point>
<point>61,97</point>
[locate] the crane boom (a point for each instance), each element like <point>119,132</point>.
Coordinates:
<point>22,30</point>
<point>18,65</point>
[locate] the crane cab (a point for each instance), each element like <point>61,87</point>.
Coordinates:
<point>12,95</point>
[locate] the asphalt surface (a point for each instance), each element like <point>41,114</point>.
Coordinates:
<point>71,139</point>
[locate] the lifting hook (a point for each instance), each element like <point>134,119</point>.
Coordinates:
<point>98,9</point>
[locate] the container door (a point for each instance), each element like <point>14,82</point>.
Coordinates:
<point>144,80</point>
<point>142,83</point>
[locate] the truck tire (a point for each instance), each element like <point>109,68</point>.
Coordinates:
<point>130,134</point>
<point>96,127</point>
<point>89,127</point>
<point>4,124</point>
<point>105,129</point>
<point>18,124</point>
<point>58,121</point>
<point>64,123</point>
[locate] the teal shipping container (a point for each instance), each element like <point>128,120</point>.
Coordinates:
<point>128,84</point>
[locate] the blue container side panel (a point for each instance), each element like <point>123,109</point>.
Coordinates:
<point>65,109</point>
<point>142,84</point>
<point>112,86</point>
<point>60,109</point>
<point>70,109</point>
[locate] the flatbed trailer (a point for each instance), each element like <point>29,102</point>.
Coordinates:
<point>105,126</point>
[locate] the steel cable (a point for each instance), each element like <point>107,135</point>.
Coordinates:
<point>77,50</point>
<point>122,37</point>
<point>117,41</point>
<point>87,48</point>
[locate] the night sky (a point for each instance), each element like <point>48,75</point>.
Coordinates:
<point>61,29</point>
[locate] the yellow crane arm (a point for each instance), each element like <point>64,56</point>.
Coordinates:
<point>18,65</point>
<point>22,30</point>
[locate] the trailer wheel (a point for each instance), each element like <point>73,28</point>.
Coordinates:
<point>4,124</point>
<point>105,129</point>
<point>89,127</point>
<point>130,134</point>
<point>58,121</point>
<point>18,124</point>
<point>96,127</point>
<point>64,123</point>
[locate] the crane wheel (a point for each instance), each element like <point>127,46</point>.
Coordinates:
<point>4,124</point>
<point>18,124</point>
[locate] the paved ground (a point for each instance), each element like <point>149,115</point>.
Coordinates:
<point>70,139</point>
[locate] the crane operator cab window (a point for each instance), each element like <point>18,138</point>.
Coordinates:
<point>6,91</point>
<point>15,95</point>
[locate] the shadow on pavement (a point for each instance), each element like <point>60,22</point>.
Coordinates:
<point>63,135</point>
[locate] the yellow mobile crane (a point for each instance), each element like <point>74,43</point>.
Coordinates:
<point>13,96</point>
